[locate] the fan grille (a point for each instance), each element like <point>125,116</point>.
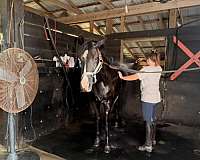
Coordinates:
<point>18,80</point>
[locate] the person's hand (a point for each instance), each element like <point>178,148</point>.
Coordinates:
<point>120,74</point>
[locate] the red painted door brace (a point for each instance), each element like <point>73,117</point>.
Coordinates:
<point>194,58</point>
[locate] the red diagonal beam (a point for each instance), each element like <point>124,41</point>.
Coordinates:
<point>193,59</point>
<point>185,50</point>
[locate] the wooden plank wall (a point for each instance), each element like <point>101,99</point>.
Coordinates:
<point>48,111</point>
<point>35,38</point>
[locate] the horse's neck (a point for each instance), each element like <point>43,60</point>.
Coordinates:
<point>106,73</point>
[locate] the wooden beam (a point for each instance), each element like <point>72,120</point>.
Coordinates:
<point>133,10</point>
<point>147,47</point>
<point>88,4</point>
<point>187,32</point>
<point>122,25</point>
<point>146,39</point>
<point>122,29</point>
<point>58,10</point>
<point>121,56</point>
<point>109,23</point>
<point>172,18</point>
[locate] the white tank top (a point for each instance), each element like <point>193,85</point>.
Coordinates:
<point>149,84</point>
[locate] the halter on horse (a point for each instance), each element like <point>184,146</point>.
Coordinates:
<point>104,82</point>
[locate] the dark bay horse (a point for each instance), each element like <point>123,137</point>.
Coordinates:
<point>104,82</point>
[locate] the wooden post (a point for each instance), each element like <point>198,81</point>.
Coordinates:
<point>122,29</point>
<point>12,22</point>
<point>91,26</point>
<point>12,12</point>
<point>109,26</point>
<point>161,23</point>
<point>172,18</point>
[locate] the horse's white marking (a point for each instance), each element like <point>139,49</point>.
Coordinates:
<point>106,88</point>
<point>85,54</point>
<point>85,83</point>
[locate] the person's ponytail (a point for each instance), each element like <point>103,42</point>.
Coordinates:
<point>155,57</point>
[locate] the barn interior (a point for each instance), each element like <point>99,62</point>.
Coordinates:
<point>60,123</point>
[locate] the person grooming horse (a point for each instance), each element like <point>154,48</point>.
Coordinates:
<point>150,96</point>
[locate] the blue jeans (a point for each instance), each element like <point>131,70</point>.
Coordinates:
<point>148,110</point>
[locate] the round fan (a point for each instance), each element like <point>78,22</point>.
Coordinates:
<point>18,80</point>
<point>18,87</point>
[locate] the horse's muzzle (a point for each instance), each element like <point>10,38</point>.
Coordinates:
<point>85,84</point>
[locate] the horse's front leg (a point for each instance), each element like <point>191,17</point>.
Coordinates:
<point>107,148</point>
<point>116,118</point>
<point>97,139</point>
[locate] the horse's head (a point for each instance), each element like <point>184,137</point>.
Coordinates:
<point>92,62</point>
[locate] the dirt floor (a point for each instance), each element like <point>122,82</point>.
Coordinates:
<point>76,141</point>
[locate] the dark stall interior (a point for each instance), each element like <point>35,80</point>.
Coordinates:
<point>61,120</point>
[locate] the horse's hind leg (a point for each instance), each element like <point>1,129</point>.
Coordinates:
<point>107,148</point>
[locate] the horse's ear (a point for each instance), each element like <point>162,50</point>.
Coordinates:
<point>100,43</point>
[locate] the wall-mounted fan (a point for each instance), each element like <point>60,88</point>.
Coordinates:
<point>18,87</point>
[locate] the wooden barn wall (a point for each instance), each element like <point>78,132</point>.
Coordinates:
<point>180,97</point>
<point>36,39</point>
<point>182,94</point>
<point>48,111</point>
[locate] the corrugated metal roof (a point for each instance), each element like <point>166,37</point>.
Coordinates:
<point>81,2</point>
<point>49,6</point>
<point>34,5</point>
<point>95,8</point>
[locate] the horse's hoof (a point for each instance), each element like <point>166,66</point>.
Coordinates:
<point>97,142</point>
<point>114,146</point>
<point>116,125</point>
<point>107,149</point>
<point>96,145</point>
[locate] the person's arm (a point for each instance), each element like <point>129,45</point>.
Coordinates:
<point>132,77</point>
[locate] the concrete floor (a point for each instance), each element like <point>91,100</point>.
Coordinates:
<point>75,143</point>
<point>30,153</point>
